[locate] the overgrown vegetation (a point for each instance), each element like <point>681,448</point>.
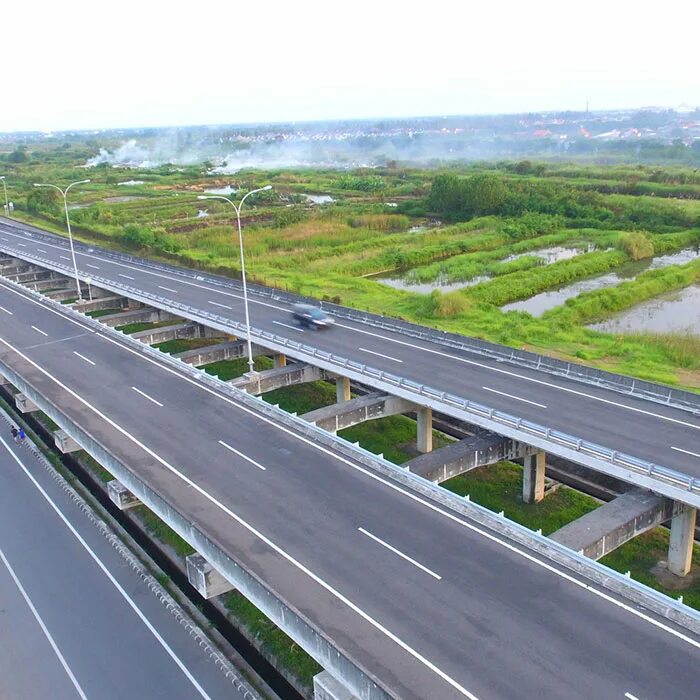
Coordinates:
<point>481,222</point>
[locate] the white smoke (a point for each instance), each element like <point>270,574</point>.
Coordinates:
<point>129,154</point>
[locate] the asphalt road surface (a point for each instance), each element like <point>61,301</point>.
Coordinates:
<point>76,621</point>
<point>660,434</point>
<point>425,600</point>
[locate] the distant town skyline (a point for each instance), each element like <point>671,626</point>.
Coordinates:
<point>149,65</point>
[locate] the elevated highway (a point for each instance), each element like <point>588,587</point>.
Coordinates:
<point>649,437</point>
<point>397,590</point>
<point>80,616</point>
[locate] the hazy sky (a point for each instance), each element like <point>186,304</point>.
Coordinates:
<point>79,64</point>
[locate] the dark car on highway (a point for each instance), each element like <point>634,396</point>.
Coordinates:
<point>308,316</point>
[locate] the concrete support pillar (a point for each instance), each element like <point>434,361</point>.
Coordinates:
<point>25,404</point>
<point>425,429</point>
<point>65,442</point>
<point>328,688</point>
<point>205,578</point>
<point>121,496</point>
<point>342,389</point>
<point>533,477</point>
<point>280,361</point>
<point>680,546</point>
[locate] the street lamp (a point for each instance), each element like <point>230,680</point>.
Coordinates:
<point>7,204</point>
<point>64,193</point>
<point>251,366</point>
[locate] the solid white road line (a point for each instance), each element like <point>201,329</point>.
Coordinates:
<point>688,452</point>
<point>167,289</point>
<point>82,357</point>
<point>125,276</point>
<point>334,455</point>
<point>146,396</point>
<point>37,617</point>
<point>379,354</point>
<point>108,574</point>
<point>94,267</point>
<point>2,308</point>
<point>401,554</point>
<point>275,547</point>
<point>516,398</point>
<point>286,325</point>
<point>541,382</point>
<point>38,330</point>
<point>240,454</point>
<point>216,303</point>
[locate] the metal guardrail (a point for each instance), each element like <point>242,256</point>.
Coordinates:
<point>583,447</point>
<point>631,386</point>
<point>635,591</point>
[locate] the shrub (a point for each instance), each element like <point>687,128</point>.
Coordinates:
<point>636,244</point>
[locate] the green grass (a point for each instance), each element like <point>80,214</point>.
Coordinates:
<point>130,328</point>
<point>102,312</point>
<point>274,643</point>
<point>181,345</point>
<point>499,487</point>
<point>226,370</point>
<point>158,529</point>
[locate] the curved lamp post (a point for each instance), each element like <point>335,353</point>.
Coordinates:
<point>70,235</point>
<point>237,208</point>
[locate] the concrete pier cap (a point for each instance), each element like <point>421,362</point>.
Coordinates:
<point>121,496</point>
<point>205,578</point>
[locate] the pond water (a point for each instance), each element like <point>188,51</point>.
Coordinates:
<point>407,280</point>
<point>119,200</point>
<point>552,298</point>
<point>222,190</point>
<point>131,183</point>
<point>675,312</point>
<point>202,213</point>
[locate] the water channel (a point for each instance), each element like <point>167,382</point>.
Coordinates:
<point>552,298</point>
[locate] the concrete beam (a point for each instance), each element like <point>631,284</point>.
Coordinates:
<point>65,442</point>
<point>342,389</point>
<point>601,531</point>
<point>680,546</point>
<point>4,381</point>
<point>25,404</point>
<point>63,294</point>
<point>230,350</point>
<point>31,275</point>
<point>205,578</point>
<point>145,315</point>
<point>363,408</point>
<point>328,688</point>
<point>178,331</point>
<point>271,379</point>
<point>50,283</point>
<point>121,496</point>
<point>477,450</point>
<point>107,302</point>
<point>533,477</point>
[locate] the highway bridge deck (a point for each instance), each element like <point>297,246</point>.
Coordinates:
<point>429,603</point>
